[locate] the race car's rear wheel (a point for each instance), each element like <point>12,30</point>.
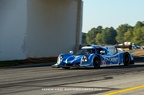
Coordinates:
<point>126,59</point>
<point>66,67</point>
<point>96,62</point>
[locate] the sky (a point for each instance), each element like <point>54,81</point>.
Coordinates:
<point>113,13</point>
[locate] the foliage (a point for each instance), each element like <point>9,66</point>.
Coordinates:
<point>138,33</point>
<point>108,36</point>
<point>121,30</point>
<point>124,33</point>
<point>98,39</point>
<point>128,35</point>
<point>91,35</point>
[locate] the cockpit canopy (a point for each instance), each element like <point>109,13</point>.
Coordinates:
<point>85,51</point>
<point>93,50</point>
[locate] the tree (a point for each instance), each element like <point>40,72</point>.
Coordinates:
<point>91,35</point>
<point>98,39</point>
<point>121,31</point>
<point>138,37</point>
<point>138,25</point>
<point>138,33</point>
<point>128,35</point>
<point>108,36</point>
<point>142,39</point>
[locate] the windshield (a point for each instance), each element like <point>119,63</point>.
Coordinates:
<point>85,51</point>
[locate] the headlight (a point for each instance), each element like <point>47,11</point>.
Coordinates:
<point>59,59</point>
<point>84,59</point>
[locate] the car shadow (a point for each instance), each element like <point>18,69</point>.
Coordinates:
<point>108,67</point>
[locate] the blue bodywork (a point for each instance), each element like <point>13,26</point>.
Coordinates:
<point>86,55</point>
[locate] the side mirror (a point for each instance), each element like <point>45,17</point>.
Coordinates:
<point>71,52</point>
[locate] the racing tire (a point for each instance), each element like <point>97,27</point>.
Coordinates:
<point>132,62</point>
<point>66,67</point>
<point>126,59</point>
<point>96,62</point>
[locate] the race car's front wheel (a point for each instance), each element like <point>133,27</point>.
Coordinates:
<point>126,59</point>
<point>96,62</point>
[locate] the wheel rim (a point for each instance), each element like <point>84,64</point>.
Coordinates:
<point>127,59</point>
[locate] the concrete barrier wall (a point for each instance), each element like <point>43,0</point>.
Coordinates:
<point>51,27</point>
<point>13,20</point>
<point>38,28</point>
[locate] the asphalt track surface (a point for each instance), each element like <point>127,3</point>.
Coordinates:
<point>44,80</point>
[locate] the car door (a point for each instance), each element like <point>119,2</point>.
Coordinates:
<point>109,59</point>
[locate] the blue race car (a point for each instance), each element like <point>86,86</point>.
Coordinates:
<point>94,56</point>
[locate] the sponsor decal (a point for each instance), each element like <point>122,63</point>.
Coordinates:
<point>115,59</point>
